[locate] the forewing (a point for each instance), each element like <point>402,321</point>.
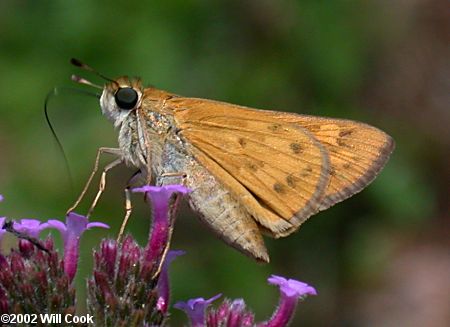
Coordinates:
<point>357,153</point>
<point>278,170</point>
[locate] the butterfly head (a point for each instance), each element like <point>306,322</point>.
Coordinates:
<point>120,97</point>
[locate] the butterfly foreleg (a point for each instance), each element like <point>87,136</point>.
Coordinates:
<point>128,204</point>
<point>100,151</point>
<point>102,184</point>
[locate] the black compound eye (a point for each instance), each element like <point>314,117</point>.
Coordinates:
<point>126,98</point>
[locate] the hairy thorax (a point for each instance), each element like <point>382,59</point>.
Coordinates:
<point>144,137</point>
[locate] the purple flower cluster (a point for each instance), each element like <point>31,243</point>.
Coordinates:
<point>71,233</point>
<point>129,285</point>
<point>34,281</point>
<point>235,314</point>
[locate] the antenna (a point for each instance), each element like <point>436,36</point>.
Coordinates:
<point>50,95</point>
<point>55,136</point>
<point>82,65</point>
<point>84,81</point>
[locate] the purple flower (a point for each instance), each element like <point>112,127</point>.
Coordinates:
<point>291,291</point>
<point>195,309</point>
<point>292,287</point>
<point>2,231</point>
<point>30,227</point>
<point>160,195</point>
<point>71,233</point>
<point>163,217</point>
<point>2,221</point>
<point>163,281</point>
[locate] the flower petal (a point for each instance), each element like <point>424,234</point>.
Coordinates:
<point>76,223</point>
<point>160,194</point>
<point>195,309</point>
<point>166,188</point>
<point>59,225</point>
<point>292,287</point>
<point>97,224</point>
<point>2,231</point>
<point>31,227</point>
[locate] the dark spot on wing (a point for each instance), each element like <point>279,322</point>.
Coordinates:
<point>252,167</point>
<point>278,187</point>
<point>306,171</point>
<point>296,148</point>
<point>291,181</point>
<point>274,127</point>
<point>341,142</point>
<point>345,132</point>
<point>314,128</point>
<point>242,142</point>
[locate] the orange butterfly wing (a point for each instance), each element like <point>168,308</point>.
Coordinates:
<point>357,153</point>
<point>287,166</point>
<point>278,170</point>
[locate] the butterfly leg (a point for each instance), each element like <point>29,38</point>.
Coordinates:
<point>111,151</point>
<point>128,204</point>
<point>102,184</point>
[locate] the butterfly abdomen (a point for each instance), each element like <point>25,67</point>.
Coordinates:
<point>216,205</point>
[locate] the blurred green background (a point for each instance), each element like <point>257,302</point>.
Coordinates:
<point>377,259</point>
